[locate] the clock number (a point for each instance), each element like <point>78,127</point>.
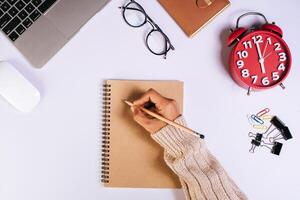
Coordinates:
<point>242,54</point>
<point>240,64</point>
<point>265,81</point>
<point>257,39</point>
<point>254,77</point>
<point>281,67</point>
<point>282,57</point>
<point>275,76</point>
<point>269,40</point>
<point>247,44</point>
<point>245,73</point>
<point>277,46</point>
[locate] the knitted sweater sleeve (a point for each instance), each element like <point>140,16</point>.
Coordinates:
<point>201,175</point>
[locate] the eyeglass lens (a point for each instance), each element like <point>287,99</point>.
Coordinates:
<point>134,15</point>
<point>157,43</point>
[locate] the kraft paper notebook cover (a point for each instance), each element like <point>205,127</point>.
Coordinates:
<point>131,158</point>
<point>191,15</point>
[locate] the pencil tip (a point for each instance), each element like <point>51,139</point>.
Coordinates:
<point>199,134</point>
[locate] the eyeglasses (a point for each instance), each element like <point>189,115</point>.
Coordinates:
<point>157,41</point>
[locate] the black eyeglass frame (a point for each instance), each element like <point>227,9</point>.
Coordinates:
<point>155,27</point>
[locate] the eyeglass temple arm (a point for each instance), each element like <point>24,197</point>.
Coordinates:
<point>123,7</point>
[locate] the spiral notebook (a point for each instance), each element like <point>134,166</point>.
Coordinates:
<point>192,15</point>
<point>130,157</point>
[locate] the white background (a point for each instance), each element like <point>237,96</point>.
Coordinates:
<point>54,152</point>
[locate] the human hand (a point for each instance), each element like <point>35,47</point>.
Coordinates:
<point>167,108</point>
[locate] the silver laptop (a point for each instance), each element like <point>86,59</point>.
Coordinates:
<point>40,28</point>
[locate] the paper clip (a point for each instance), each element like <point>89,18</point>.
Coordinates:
<point>251,121</point>
<point>263,112</point>
<point>266,117</point>
<point>257,119</point>
<point>260,127</point>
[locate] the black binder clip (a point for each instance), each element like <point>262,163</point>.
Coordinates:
<point>284,131</point>
<point>276,149</point>
<point>259,142</point>
<point>277,123</point>
<point>256,142</point>
<point>286,134</point>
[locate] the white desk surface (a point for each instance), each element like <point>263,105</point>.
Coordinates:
<point>54,152</point>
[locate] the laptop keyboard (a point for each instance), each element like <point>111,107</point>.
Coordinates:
<point>18,15</point>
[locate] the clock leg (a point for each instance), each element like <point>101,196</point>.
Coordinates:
<point>249,91</point>
<point>282,86</point>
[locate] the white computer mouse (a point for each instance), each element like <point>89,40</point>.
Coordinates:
<point>16,89</point>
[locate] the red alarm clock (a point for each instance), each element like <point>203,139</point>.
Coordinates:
<point>260,59</point>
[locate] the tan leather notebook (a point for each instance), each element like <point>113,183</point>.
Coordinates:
<point>192,15</point>
<point>130,157</point>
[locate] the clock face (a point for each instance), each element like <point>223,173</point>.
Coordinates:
<point>260,60</point>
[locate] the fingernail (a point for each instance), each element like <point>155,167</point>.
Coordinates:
<point>132,109</point>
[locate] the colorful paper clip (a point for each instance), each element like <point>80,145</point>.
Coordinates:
<point>260,127</point>
<point>263,112</point>
<point>266,117</point>
<point>251,121</point>
<point>257,119</point>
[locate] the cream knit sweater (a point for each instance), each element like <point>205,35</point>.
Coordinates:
<point>201,175</point>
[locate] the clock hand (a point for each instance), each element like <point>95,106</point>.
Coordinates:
<point>261,60</point>
<point>265,48</point>
<point>268,54</point>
